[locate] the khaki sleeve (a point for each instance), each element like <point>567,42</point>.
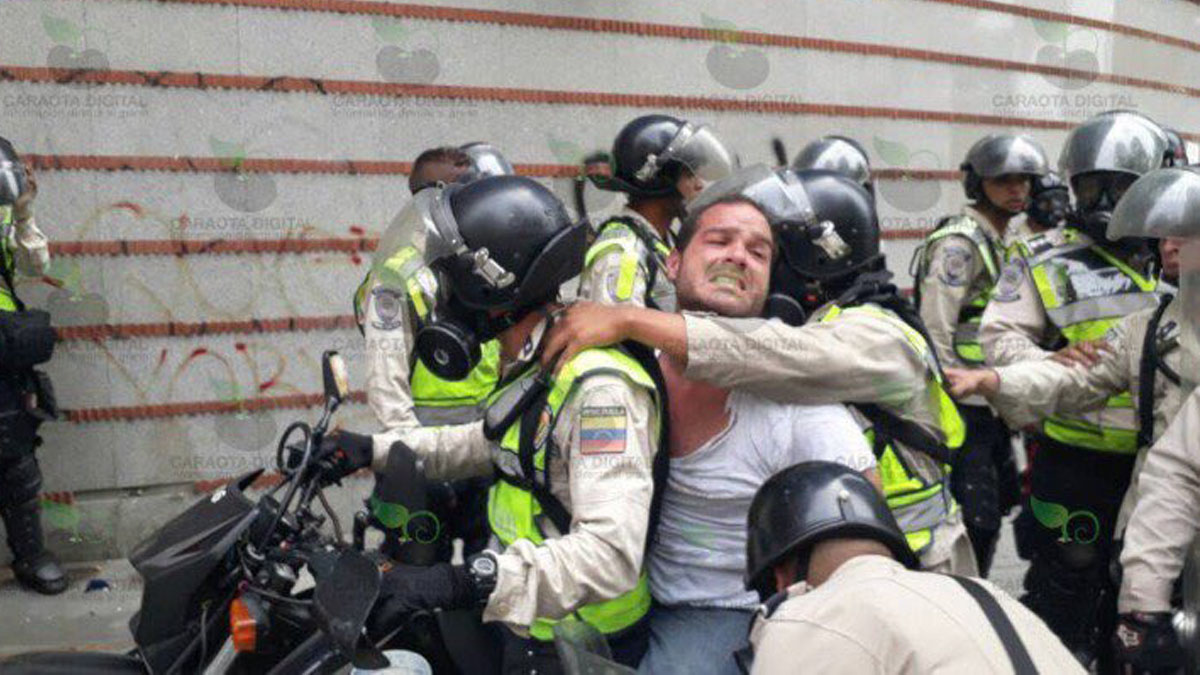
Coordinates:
<point>1015,320</point>
<point>954,265</point>
<point>785,647</point>
<point>1163,523</point>
<point>616,271</point>
<point>447,452</point>
<point>859,358</point>
<point>609,471</point>
<point>1032,390</point>
<point>31,252</point>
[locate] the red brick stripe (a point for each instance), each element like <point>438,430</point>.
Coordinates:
<point>341,167</point>
<point>592,25</point>
<point>180,247</point>
<point>506,95</point>
<point>289,324</point>
<point>165,410</point>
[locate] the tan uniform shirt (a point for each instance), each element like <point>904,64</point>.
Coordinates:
<point>1015,328</point>
<point>1035,389</point>
<point>31,251</point>
<point>388,329</point>
<point>956,275</point>
<point>601,280</point>
<point>608,496</point>
<point>1164,521</point>
<point>858,358</point>
<point>874,616</point>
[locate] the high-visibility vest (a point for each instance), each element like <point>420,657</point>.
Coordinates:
<point>8,302</point>
<point>1086,290</point>
<point>514,511</point>
<point>436,402</point>
<point>918,504</point>
<point>626,234</point>
<point>966,330</point>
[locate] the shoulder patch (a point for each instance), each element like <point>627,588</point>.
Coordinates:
<point>1008,288</point>
<point>602,430</point>
<point>389,306</point>
<point>955,264</point>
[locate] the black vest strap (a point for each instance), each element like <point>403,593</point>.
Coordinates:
<point>889,427</point>
<point>1022,663</point>
<point>1147,374</point>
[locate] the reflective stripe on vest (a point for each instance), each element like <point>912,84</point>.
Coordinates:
<point>966,330</point>
<point>514,513</point>
<point>1086,291</point>
<point>918,506</point>
<point>620,233</point>
<point>436,402</point>
<point>7,302</point>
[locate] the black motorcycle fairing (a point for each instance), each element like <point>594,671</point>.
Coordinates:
<point>177,563</point>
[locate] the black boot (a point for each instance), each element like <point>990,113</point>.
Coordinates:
<point>35,568</point>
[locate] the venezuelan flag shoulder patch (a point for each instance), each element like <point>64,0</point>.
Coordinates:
<point>602,430</point>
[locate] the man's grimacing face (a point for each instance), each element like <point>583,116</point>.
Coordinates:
<point>726,267</point>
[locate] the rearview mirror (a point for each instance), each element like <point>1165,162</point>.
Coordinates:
<point>337,381</point>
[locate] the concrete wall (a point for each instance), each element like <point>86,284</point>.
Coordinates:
<point>123,103</point>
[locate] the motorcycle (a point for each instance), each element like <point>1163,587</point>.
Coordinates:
<point>219,579</point>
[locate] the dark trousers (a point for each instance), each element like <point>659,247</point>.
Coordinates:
<point>984,480</point>
<point>524,656</point>
<point>20,476</point>
<point>1075,497</point>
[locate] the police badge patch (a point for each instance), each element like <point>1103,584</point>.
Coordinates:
<point>388,305</point>
<point>956,265</point>
<point>1008,289</point>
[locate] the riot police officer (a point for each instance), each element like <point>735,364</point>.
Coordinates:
<point>957,271</point>
<point>821,536</point>
<point>573,452</point>
<point>27,340</point>
<point>840,154</point>
<point>1061,288</point>
<point>660,162</point>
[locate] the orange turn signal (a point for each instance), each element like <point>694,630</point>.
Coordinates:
<point>242,626</point>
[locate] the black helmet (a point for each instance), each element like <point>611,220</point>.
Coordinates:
<point>12,174</point>
<point>999,155</point>
<point>1177,149</point>
<point>837,153</point>
<point>649,152</point>
<point>810,502</point>
<point>839,209</point>
<point>1049,201</point>
<point>507,243</point>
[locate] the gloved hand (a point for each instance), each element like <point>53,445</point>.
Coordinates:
<point>1146,642</point>
<point>344,452</point>
<point>408,588</point>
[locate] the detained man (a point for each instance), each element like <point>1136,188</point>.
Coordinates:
<point>723,445</point>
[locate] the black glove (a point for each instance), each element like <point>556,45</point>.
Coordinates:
<point>408,588</point>
<point>344,452</point>
<point>1147,642</point>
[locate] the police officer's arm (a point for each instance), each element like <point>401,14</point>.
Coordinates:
<point>610,489</point>
<point>953,266</point>
<point>31,253</point>
<point>615,271</point>
<point>447,452</point>
<point>797,645</point>
<point>1032,390</point>
<point>1015,320</point>
<point>1163,523</point>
